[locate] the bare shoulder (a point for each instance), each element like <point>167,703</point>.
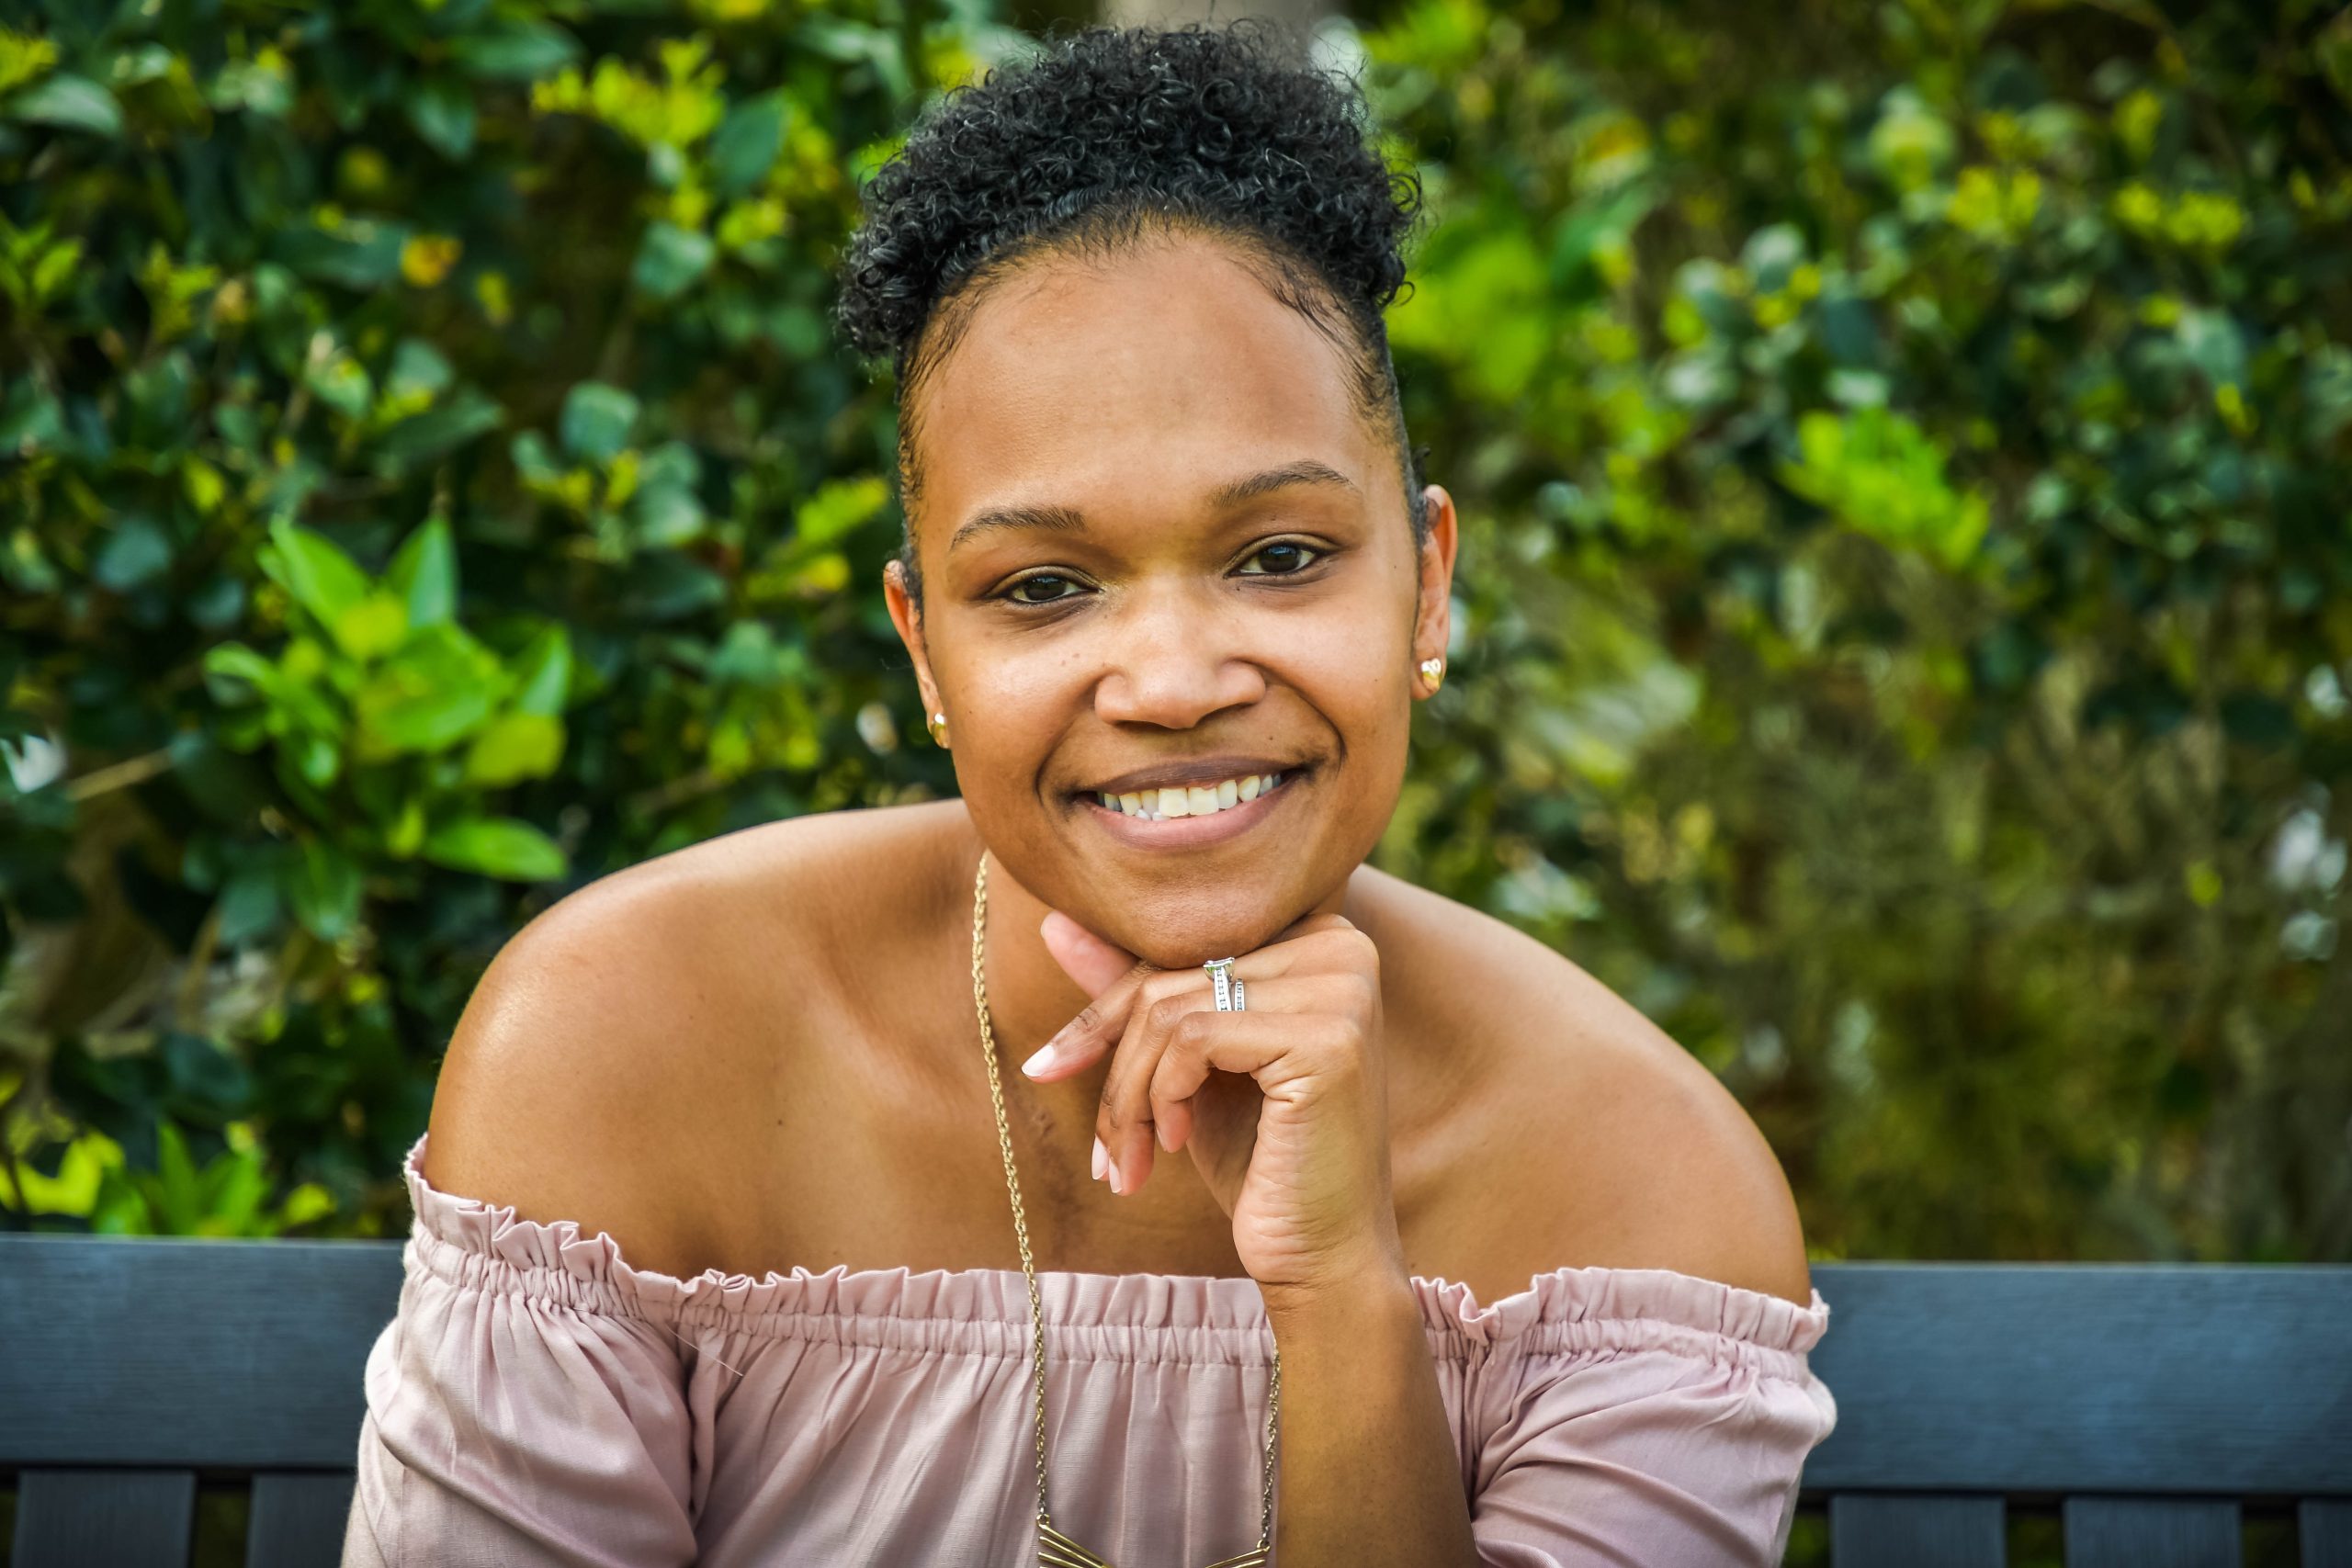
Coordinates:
<point>1581,1134</point>
<point>587,1077</point>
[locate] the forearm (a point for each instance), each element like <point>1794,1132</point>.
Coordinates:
<point>1369,1473</point>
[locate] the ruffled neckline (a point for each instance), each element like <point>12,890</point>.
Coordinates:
<point>473,1243</point>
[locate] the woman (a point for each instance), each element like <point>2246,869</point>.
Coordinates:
<point>1401,1241</point>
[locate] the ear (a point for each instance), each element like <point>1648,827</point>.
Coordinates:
<point>907,619</point>
<point>1434,616</point>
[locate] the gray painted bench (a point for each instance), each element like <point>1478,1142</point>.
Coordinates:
<point>2151,1404</point>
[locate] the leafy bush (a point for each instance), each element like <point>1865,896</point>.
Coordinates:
<point>1905,451</point>
<point>1905,590</point>
<point>431,484</point>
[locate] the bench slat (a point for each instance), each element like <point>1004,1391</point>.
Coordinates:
<point>1898,1530</point>
<point>125,1518</point>
<point>2326,1531</point>
<point>296,1519</point>
<point>204,1355</point>
<point>2152,1532</point>
<point>2085,1379</point>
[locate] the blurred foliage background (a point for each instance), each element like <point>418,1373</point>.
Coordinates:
<point>1907,597</point>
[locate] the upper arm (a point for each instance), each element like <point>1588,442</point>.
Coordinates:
<point>567,1075</point>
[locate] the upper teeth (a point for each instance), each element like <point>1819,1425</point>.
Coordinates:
<point>1198,800</point>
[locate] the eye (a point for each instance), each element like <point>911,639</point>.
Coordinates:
<point>1043,579</point>
<point>1284,557</point>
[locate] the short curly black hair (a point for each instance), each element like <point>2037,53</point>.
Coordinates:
<point>1112,135</point>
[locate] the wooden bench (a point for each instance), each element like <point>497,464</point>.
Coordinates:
<point>2151,1405</point>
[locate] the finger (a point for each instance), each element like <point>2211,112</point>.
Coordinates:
<point>1273,1049</point>
<point>1122,1119</point>
<point>1129,1119</point>
<point>1095,963</point>
<point>1171,1115</point>
<point>1312,924</point>
<point>1176,1077</point>
<point>1326,941</point>
<point>1077,1042</point>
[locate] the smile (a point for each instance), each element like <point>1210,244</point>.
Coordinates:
<point>1190,818</point>
<point>1193,800</point>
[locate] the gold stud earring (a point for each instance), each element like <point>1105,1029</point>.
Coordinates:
<point>1433,671</point>
<point>937,725</point>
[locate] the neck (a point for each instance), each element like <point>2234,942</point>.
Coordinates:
<point>1029,997</point>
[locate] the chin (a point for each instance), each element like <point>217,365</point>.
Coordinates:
<point>1183,931</point>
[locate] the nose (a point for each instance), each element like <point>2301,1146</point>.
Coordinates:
<point>1172,661</point>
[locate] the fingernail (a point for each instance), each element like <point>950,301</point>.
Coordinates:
<point>1102,1157</point>
<point>1116,1187</point>
<point>1044,1061</point>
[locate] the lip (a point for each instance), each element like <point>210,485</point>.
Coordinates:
<point>1194,832</point>
<point>1195,771</point>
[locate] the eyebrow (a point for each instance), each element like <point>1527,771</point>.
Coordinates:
<point>1068,519</point>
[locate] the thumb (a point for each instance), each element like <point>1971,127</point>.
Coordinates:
<point>1086,958</point>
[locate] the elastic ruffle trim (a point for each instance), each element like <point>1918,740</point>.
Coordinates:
<point>1593,1311</point>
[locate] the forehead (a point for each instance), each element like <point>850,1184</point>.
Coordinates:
<point>1145,377</point>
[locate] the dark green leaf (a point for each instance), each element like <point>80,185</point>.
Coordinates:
<point>73,102</point>
<point>515,52</point>
<point>671,259</point>
<point>442,110</point>
<point>437,431</point>
<point>597,421</point>
<point>138,549</point>
<point>747,143</point>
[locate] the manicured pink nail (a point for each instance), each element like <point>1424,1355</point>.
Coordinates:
<point>1044,1061</point>
<point>1102,1157</point>
<point>1116,1187</point>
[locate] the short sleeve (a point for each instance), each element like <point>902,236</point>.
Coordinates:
<point>1636,1418</point>
<point>520,1412</point>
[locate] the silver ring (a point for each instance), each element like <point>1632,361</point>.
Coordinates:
<point>1226,984</point>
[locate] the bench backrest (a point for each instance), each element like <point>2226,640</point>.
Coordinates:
<point>2152,1401</point>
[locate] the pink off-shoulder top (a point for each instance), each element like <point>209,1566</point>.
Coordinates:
<point>538,1401</point>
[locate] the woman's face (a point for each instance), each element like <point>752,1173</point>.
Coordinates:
<point>1160,548</point>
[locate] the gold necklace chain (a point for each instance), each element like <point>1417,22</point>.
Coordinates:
<point>1055,1549</point>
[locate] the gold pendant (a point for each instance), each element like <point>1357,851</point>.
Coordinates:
<point>1055,1549</point>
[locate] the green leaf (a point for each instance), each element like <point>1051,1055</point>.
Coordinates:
<point>515,746</point>
<point>597,420</point>
<point>250,905</point>
<point>202,1076</point>
<point>321,578</point>
<point>137,551</point>
<point>235,662</point>
<point>438,690</point>
<point>419,370</point>
<point>75,103</point>
<point>442,112</point>
<point>343,384</point>
<point>543,673</point>
<point>671,259</point>
<point>435,432</point>
<point>496,846</point>
<point>839,506</point>
<point>373,627</point>
<point>747,143</point>
<point>324,888</point>
<point>424,573</point>
<point>515,52</point>
<point>364,254</point>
